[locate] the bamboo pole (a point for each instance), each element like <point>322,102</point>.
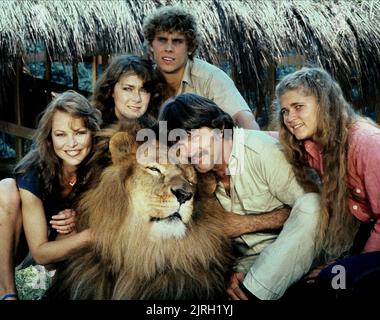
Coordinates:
<point>94,71</point>
<point>75,75</point>
<point>377,103</point>
<point>18,91</point>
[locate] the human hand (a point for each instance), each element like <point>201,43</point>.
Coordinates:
<point>310,277</point>
<point>234,290</point>
<point>64,221</point>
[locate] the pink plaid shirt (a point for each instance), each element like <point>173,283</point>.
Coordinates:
<point>363,176</point>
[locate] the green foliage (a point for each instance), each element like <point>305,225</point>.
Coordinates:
<point>85,76</point>
<point>37,69</point>
<point>6,151</point>
<point>32,282</point>
<point>62,73</point>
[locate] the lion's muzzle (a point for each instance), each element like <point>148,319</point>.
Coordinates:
<point>181,194</point>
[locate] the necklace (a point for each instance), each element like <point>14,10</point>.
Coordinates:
<point>71,181</point>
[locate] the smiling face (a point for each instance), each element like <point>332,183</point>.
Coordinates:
<point>170,51</point>
<point>300,113</point>
<point>71,139</point>
<point>203,147</point>
<point>130,97</point>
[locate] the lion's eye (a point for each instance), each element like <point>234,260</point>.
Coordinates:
<point>154,169</point>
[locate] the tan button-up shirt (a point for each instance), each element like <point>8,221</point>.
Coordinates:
<point>261,181</point>
<point>207,80</point>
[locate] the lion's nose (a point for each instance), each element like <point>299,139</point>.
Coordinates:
<point>181,195</point>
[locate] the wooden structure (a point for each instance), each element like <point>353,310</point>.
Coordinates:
<point>254,37</point>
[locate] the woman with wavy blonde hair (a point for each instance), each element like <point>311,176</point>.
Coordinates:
<point>321,133</point>
<point>37,204</point>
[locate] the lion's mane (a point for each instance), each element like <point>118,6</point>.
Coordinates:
<point>124,262</point>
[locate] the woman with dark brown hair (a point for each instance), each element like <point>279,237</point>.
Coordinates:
<point>129,88</point>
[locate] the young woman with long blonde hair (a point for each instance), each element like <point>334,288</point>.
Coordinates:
<point>320,133</point>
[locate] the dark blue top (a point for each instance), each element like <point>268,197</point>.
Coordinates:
<point>53,203</point>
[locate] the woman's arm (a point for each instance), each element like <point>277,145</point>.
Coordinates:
<point>366,159</point>
<point>35,226</point>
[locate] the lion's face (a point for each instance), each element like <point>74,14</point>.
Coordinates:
<point>160,193</point>
<point>162,196</point>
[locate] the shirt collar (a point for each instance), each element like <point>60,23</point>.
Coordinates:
<point>315,156</point>
<point>187,74</point>
<point>312,148</point>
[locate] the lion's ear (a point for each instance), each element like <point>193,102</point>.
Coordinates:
<point>206,184</point>
<point>121,145</point>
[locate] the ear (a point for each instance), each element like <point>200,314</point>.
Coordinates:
<point>121,145</point>
<point>190,173</point>
<point>206,184</point>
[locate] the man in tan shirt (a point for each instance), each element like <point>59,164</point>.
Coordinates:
<point>255,183</point>
<point>172,38</point>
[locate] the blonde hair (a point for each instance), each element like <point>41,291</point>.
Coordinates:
<point>337,226</point>
<point>41,155</point>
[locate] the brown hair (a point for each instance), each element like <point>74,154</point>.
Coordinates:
<point>172,19</point>
<point>153,81</point>
<point>191,111</point>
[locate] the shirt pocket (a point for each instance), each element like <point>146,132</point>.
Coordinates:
<point>359,210</point>
<point>358,203</point>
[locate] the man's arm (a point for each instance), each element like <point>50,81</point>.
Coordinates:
<point>245,119</point>
<point>236,224</point>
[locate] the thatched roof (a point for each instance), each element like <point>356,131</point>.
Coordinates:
<point>340,35</point>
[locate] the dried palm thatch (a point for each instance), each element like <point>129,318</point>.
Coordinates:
<point>342,36</point>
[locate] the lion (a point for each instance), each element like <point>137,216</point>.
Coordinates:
<point>158,233</point>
